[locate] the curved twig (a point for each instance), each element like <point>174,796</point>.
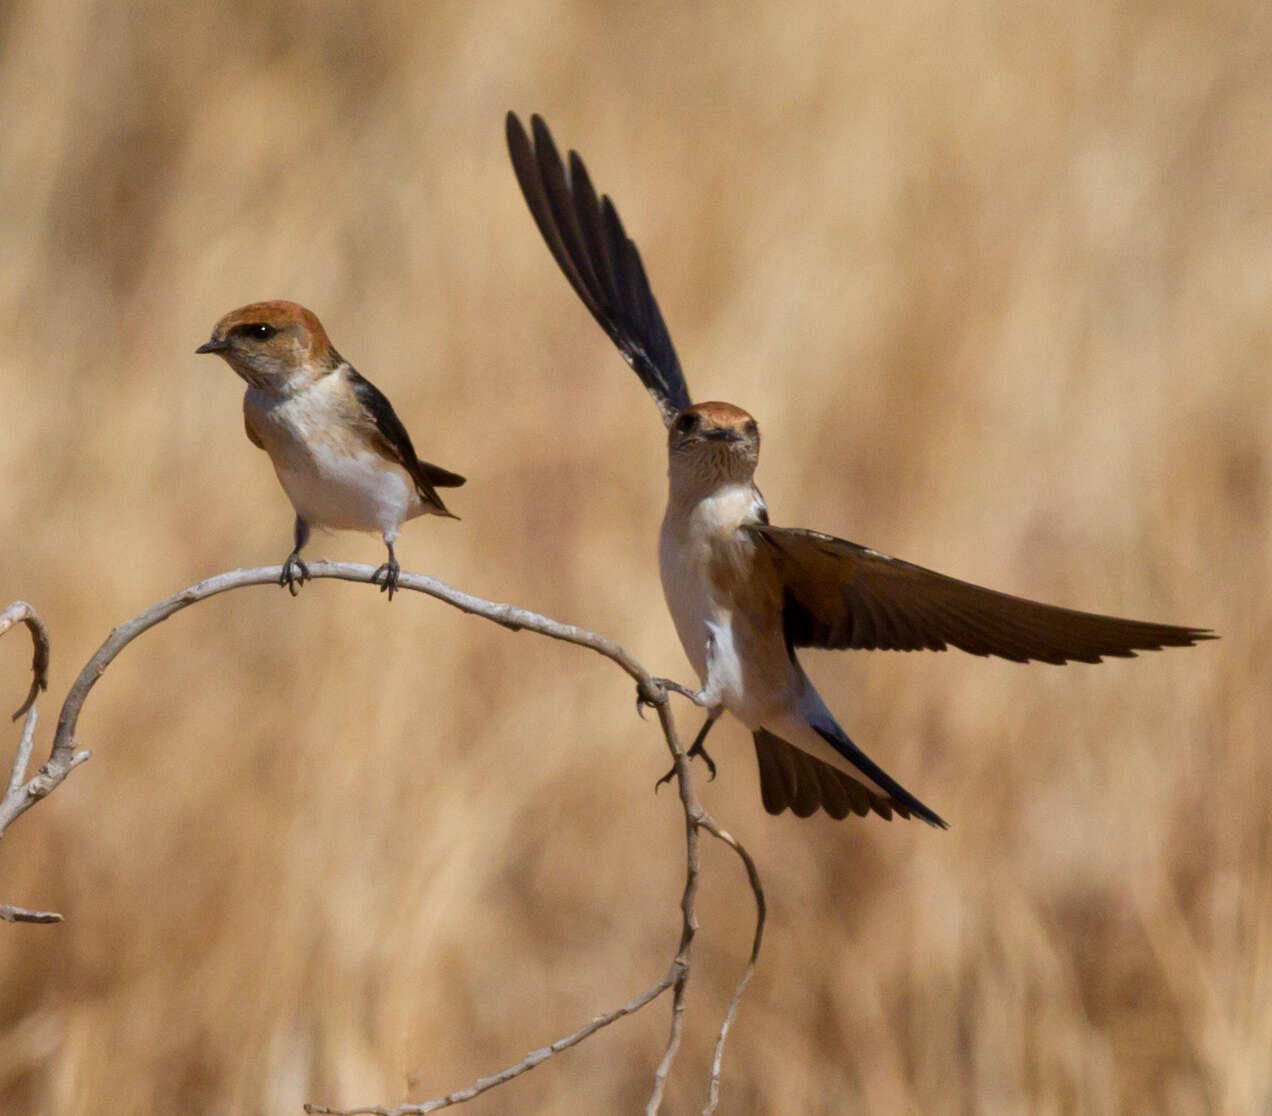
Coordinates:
<point>21,612</point>
<point>509,616</point>
<point>17,796</point>
<point>64,757</point>
<point>761,910</point>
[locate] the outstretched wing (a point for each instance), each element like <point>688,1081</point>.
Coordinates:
<point>603,266</point>
<point>396,442</point>
<point>840,595</point>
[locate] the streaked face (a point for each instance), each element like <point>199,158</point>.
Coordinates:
<point>714,441</point>
<point>271,345</point>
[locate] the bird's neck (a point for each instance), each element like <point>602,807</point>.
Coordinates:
<point>712,508</point>
<point>692,478</point>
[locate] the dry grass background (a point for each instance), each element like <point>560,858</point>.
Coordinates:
<point>995,279</point>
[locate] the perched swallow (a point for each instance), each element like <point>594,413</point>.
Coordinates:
<point>744,594</point>
<point>341,453</point>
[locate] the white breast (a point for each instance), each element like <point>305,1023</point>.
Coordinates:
<point>692,538</point>
<point>333,477</point>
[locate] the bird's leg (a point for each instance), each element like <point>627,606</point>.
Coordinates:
<point>697,748</point>
<point>388,571</point>
<point>295,572</point>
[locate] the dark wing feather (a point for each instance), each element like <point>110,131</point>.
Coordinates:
<point>840,595</point>
<point>588,242</point>
<point>396,442</point>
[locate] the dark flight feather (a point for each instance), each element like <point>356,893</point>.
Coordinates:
<point>396,442</point>
<point>587,240</point>
<point>840,595</point>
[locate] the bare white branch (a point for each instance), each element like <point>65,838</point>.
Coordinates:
<point>64,757</point>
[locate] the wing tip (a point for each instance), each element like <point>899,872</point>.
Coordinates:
<point>607,275</point>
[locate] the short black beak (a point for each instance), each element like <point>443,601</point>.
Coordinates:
<point>213,346</point>
<point>721,434</point>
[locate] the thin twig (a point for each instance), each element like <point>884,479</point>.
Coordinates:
<point>689,917</point>
<point>761,911</point>
<point>21,914</point>
<point>22,756</point>
<point>21,612</point>
<point>20,797</point>
<point>527,1063</point>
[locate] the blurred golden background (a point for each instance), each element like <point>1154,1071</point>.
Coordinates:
<point>994,278</point>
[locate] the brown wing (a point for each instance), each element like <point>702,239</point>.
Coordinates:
<point>841,595</point>
<point>397,442</point>
<point>588,242</point>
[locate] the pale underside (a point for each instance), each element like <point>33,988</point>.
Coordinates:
<point>725,597</point>
<point>333,476</point>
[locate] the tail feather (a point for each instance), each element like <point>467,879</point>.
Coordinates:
<point>804,788</point>
<point>836,798</point>
<point>792,779</point>
<point>773,780</point>
<point>901,799</point>
<point>439,477</point>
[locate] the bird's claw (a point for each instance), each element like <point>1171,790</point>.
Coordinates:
<point>697,750</point>
<point>295,573</point>
<point>642,700</point>
<point>700,750</point>
<point>386,576</point>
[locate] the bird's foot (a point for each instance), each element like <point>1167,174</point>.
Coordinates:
<point>671,687</point>
<point>667,686</point>
<point>295,573</point>
<point>386,576</point>
<point>698,749</point>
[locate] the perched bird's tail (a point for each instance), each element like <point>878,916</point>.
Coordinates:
<point>790,777</point>
<point>439,477</point>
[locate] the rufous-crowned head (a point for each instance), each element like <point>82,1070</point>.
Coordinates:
<point>714,442</point>
<point>275,346</point>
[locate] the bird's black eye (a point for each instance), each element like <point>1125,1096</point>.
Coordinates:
<point>751,429</point>
<point>687,423</point>
<point>258,331</point>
